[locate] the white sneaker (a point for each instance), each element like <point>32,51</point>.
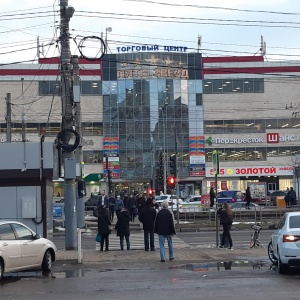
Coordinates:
<point>230,248</point>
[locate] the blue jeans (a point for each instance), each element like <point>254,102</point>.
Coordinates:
<point>161,239</point>
<point>122,242</point>
<point>146,240</point>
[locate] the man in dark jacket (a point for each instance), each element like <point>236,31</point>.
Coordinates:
<point>165,228</point>
<point>147,217</point>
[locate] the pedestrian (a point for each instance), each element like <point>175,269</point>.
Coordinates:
<point>119,205</point>
<point>126,201</point>
<point>226,218</point>
<point>212,197</point>
<point>132,208</point>
<point>292,197</point>
<point>104,227</point>
<point>147,218</point>
<point>111,207</point>
<point>123,229</point>
<point>140,202</point>
<point>248,197</point>
<point>102,200</point>
<point>165,228</point>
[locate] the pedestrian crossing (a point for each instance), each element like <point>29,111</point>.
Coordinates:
<point>137,242</point>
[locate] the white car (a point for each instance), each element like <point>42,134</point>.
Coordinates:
<point>174,201</point>
<point>284,247</point>
<point>22,249</point>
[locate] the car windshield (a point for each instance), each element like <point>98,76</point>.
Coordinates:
<point>294,221</point>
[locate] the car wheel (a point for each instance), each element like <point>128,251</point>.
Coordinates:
<point>1,269</point>
<point>282,268</point>
<point>47,262</point>
<point>272,257</point>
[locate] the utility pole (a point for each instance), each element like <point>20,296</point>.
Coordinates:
<point>8,118</point>
<point>69,162</point>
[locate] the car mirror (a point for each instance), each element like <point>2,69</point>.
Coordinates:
<point>272,227</point>
<point>37,236</point>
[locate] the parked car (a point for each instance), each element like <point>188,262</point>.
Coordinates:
<point>171,201</point>
<point>242,206</point>
<point>285,242</point>
<point>166,197</point>
<point>196,200</point>
<point>23,249</point>
<point>230,196</point>
<point>91,203</point>
<point>271,198</point>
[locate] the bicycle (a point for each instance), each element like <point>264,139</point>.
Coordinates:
<point>255,236</point>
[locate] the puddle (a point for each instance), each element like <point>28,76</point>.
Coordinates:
<point>236,265</point>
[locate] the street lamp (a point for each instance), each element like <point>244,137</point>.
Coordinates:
<point>164,111</point>
<point>107,29</point>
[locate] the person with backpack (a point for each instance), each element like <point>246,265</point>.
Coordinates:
<point>226,218</point>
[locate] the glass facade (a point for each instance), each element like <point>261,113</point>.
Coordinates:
<point>149,100</point>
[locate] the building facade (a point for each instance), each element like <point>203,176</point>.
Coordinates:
<point>136,106</point>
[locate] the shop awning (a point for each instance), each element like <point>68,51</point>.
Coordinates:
<point>93,177</point>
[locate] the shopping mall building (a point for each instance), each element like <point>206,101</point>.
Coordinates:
<point>138,104</point>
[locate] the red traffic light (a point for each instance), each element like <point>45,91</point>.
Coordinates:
<point>150,192</point>
<point>171,182</point>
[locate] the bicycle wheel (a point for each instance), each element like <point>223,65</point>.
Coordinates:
<point>253,239</point>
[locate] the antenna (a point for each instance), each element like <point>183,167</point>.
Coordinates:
<point>199,42</point>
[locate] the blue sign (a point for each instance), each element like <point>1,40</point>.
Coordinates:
<point>58,210</point>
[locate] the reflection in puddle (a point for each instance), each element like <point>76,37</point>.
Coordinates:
<point>224,266</point>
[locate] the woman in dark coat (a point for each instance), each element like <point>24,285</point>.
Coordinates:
<point>226,218</point>
<point>103,227</point>
<point>122,228</point>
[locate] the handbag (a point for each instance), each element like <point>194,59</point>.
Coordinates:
<point>98,238</point>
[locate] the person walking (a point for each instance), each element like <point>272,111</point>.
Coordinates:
<point>226,218</point>
<point>132,208</point>
<point>111,207</point>
<point>103,227</point>
<point>165,228</point>
<point>212,197</point>
<point>123,229</point>
<point>102,200</point>
<point>119,205</point>
<point>248,197</point>
<point>147,218</point>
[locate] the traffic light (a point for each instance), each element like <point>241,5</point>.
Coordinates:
<point>109,181</point>
<point>173,165</point>
<point>171,182</point>
<point>150,192</point>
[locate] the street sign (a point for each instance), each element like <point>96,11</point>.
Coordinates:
<point>215,159</point>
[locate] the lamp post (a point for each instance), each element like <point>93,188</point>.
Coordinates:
<point>164,111</point>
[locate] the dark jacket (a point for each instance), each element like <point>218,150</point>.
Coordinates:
<point>164,223</point>
<point>147,217</point>
<point>141,202</point>
<point>248,195</point>
<point>225,219</point>
<point>122,225</point>
<point>103,221</point>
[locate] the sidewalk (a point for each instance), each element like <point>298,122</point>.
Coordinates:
<point>135,258</point>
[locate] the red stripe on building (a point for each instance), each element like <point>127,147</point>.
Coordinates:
<point>253,70</point>
<point>56,60</point>
<point>41,72</point>
<point>228,59</point>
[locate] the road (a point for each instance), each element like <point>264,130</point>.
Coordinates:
<point>240,238</point>
<point>239,278</point>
